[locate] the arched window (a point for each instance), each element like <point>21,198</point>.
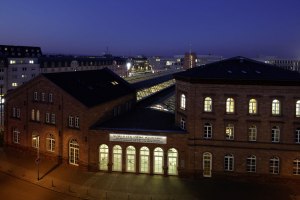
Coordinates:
<point>73,152</point>
<point>296,167</point>
<point>144,160</point>
<point>182,101</point>
<point>207,164</point>
<point>117,158</point>
<point>252,133</point>
<point>229,132</point>
<point>103,157</point>
<point>230,105</point>
<point>130,159</point>
<point>228,162</point>
<point>172,161</point>
<point>297,135</point>
<point>298,108</point>
<point>50,143</point>
<point>207,131</point>
<point>275,107</point>
<point>275,134</point>
<point>251,164</point>
<point>274,165</point>
<point>207,104</point>
<point>16,136</point>
<point>252,106</point>
<point>158,161</point>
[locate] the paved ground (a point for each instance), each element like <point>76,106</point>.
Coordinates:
<point>72,182</point>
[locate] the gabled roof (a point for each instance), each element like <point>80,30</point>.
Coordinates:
<point>240,70</point>
<point>92,87</point>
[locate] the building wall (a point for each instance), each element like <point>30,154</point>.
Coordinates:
<point>286,149</point>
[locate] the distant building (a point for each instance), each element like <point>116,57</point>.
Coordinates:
<point>189,60</point>
<point>289,64</point>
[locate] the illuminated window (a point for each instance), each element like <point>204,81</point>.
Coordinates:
<point>103,157</point>
<point>275,134</point>
<point>252,106</point>
<point>16,136</point>
<point>228,162</point>
<point>172,161</point>
<point>158,161</point>
<point>144,160</point>
<point>35,141</point>
<point>182,102</point>
<point>207,104</point>
<point>207,131</point>
<point>130,159</point>
<point>252,133</point>
<point>229,132</point>
<point>207,163</point>
<point>182,124</point>
<point>12,62</point>
<point>298,108</point>
<point>230,105</point>
<point>275,107</point>
<point>31,62</point>
<point>251,164</point>
<point>297,135</point>
<point>73,152</point>
<point>296,167</point>
<point>14,84</point>
<point>117,158</point>
<point>274,165</point>
<point>50,143</point>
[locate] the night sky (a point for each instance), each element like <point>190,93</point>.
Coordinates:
<point>154,27</point>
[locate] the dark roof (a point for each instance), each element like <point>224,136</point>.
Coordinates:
<point>20,51</point>
<point>240,70</point>
<point>143,118</point>
<point>92,87</point>
<point>151,82</point>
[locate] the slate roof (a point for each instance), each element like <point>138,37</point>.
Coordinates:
<point>20,51</point>
<point>240,70</point>
<point>92,87</point>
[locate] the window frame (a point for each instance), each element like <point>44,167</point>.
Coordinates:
<point>251,164</point>
<point>207,133</point>
<point>275,137</point>
<point>252,133</point>
<point>276,107</point>
<point>230,105</point>
<point>229,132</point>
<point>253,108</point>
<point>207,107</point>
<point>229,162</point>
<point>183,101</point>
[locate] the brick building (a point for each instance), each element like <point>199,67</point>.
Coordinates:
<point>235,116</point>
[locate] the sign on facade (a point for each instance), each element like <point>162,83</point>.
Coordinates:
<point>137,138</point>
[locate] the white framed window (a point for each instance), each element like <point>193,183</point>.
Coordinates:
<point>182,123</point>
<point>130,159</point>
<point>53,118</point>
<point>251,164</point>
<point>50,142</point>
<point>207,104</point>
<point>43,96</point>
<point>158,161</point>
<point>71,121</point>
<point>274,165</point>
<point>229,132</point>
<point>207,131</point>
<point>182,102</point>
<point>144,160</point>
<point>296,167</point>
<point>35,96</point>
<point>47,118</point>
<point>275,107</point>
<point>275,134</point>
<point>77,122</point>
<point>298,108</point>
<point>252,133</point>
<point>228,162</point>
<point>297,135</point>
<point>117,158</point>
<point>230,105</point>
<point>35,141</point>
<point>172,161</point>
<point>207,164</point>
<point>16,136</point>
<point>32,115</point>
<point>103,157</point>
<point>73,152</point>
<point>50,97</point>
<point>252,106</point>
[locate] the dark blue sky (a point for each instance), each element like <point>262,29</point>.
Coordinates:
<point>154,27</point>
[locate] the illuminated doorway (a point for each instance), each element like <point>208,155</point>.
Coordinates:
<point>144,160</point>
<point>158,160</point>
<point>73,152</point>
<point>130,159</point>
<point>172,161</point>
<point>103,157</point>
<point>117,158</point>
<point>207,162</point>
